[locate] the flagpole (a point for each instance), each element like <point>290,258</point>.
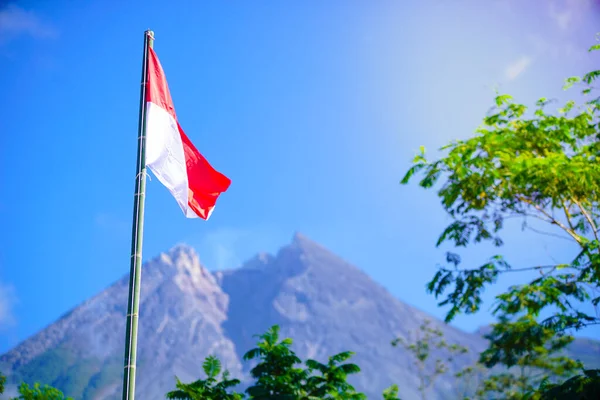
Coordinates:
<point>137,232</point>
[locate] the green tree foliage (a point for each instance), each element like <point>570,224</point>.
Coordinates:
<point>38,392</point>
<point>279,374</point>
<point>430,342</point>
<point>580,387</point>
<point>534,166</point>
<point>391,393</point>
<point>469,381</point>
<point>331,383</point>
<point>530,368</point>
<point>210,388</point>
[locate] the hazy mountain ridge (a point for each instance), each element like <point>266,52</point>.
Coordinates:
<point>306,283</point>
<point>181,312</point>
<point>186,313</point>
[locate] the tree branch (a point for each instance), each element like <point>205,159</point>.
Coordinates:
<point>588,218</point>
<point>548,234</point>
<point>569,217</point>
<point>553,220</point>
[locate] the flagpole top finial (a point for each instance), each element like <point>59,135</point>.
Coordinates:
<point>150,34</point>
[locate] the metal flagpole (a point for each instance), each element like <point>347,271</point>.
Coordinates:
<point>135,272</point>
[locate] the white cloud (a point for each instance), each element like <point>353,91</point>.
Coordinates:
<point>557,48</point>
<point>8,299</point>
<point>229,247</point>
<point>562,18</point>
<point>15,22</point>
<point>220,248</point>
<point>568,11</point>
<point>516,68</point>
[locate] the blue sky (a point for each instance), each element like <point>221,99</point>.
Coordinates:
<point>313,109</point>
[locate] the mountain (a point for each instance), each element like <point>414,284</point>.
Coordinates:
<point>181,316</point>
<point>327,306</point>
<point>186,313</point>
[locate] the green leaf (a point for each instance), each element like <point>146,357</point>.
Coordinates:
<point>543,167</point>
<point>503,99</point>
<point>569,82</point>
<point>212,366</point>
<point>591,76</point>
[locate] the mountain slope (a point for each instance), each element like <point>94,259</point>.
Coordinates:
<point>186,313</point>
<point>181,312</point>
<point>327,306</point>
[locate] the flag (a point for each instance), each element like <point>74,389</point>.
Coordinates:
<point>170,154</point>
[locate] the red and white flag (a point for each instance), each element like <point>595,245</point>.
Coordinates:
<point>171,156</point>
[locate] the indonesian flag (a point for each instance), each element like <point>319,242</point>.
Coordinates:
<point>171,156</point>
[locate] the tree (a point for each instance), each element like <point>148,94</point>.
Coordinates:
<point>38,392</point>
<point>427,340</point>
<point>540,167</point>
<point>532,366</point>
<point>580,387</point>
<point>276,374</point>
<point>391,393</point>
<point>332,381</point>
<point>279,375</point>
<point>209,388</point>
<point>469,381</point>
